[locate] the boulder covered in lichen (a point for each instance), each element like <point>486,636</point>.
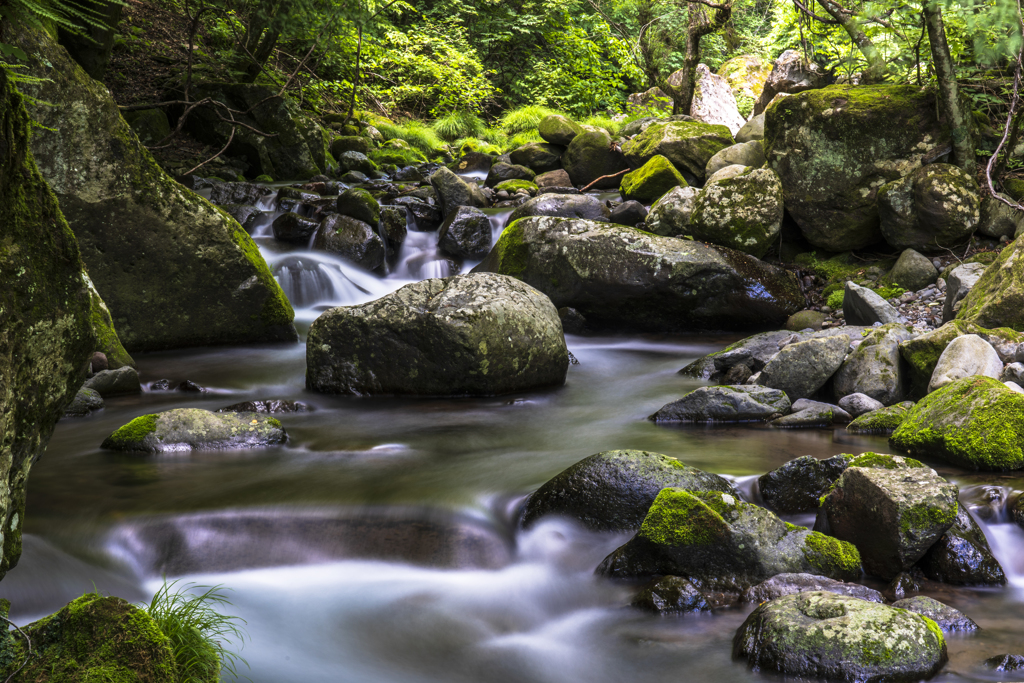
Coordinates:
<point>742,212</point>
<point>821,635</point>
<point>689,145</point>
<point>932,207</point>
<point>192,429</point>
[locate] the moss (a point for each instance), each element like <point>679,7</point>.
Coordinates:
<point>926,517</point>
<point>263,178</point>
<point>678,517</point>
<point>514,185</point>
<point>277,311</point>
<point>884,462</point>
<point>651,181</point>
<point>835,300</point>
<point>882,421</point>
<point>274,422</point>
<point>133,432</point>
<point>1015,188</point>
<point>513,253</point>
<point>835,269</point>
<point>830,555</point>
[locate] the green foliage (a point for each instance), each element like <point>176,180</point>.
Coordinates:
<point>524,119</point>
<point>470,144</point>
<point>835,300</point>
<point>612,125</point>
<point>418,134</point>
<point>521,139</point>
<point>459,124</point>
<point>890,291</point>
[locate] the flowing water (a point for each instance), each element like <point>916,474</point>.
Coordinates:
<point>380,544</point>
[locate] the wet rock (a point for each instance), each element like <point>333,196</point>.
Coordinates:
<point>189,386</point>
<point>651,181</point>
<point>914,271</point>
<point>670,215</point>
<point>500,172</point>
<point>689,145</point>
<point>426,217</point>
<point>123,380</point>
<point>640,281</point>
<point>354,178</point>
<point>882,421</point>
<point>790,74</point>
<point>86,401</point>
<point>291,227</point>
<point>903,585</point>
<point>573,321</point>
<point>394,225</point>
<point>584,206</point>
<point>857,404</point>
<point>232,194</point>
<point>670,595</point>
<point>590,156</point>
<point>558,130</point>
<point>862,306</point>
<point>1006,662</point>
<point>815,417</point>
<point>272,406</point>
<point>966,356</point>
<point>742,403</point>
<point>359,204</point>
<point>791,584</point>
<point>453,191</point>
<point>820,635</point>
<point>245,214</point>
<point>749,154</point>
<point>962,556</point>
<point>351,239</point>
<point>806,320</point>
<point>959,284</point>
<point>539,157</point>
<point>631,213</point>
<point>557,178</point>
<point>743,212</point>
<point>875,367</point>
<point>472,163</point>
<point>893,516</point>
<point>948,618</point>
<point>476,334</point>
<point>754,351</point>
<point>466,233</point>
<point>719,542</point>
<point>191,429</point>
<point>355,161</point>
<point>613,490</point>
<point>160,385</point>
<point>802,368</point>
<point>934,206</point>
<point>409,174</point>
<point>798,485</point>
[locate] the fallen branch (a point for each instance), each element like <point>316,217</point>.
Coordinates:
<point>605,177</point>
<point>1010,121</point>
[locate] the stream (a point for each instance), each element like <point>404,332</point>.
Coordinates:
<point>380,544</point>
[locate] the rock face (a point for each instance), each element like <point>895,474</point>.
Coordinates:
<point>719,542</point>
<point>802,368</point>
<point>997,300</point>
<point>934,206</point>
<point>743,212</point>
<point>476,334</point>
<point>966,356</point>
<point>791,584</point>
<point>834,147</point>
<point>670,215</point>
<point>713,101</point>
<point>621,277</point>
<point>741,403</point>
<point>689,145</point>
<point>651,181</point>
<point>191,429</point>
<point>893,516</point>
<point>798,485</point>
<point>958,285</point>
<point>976,423</point>
<point>174,270</point>
<point>590,156</point>
<point>613,490</point>
<point>820,635</point>
<point>45,316</point>
<point>875,367</point>
<point>790,74</point>
<point>962,556</point>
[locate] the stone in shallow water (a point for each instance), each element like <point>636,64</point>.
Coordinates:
<point>191,429</point>
<point>800,369</point>
<point>738,403</point>
<point>271,406</point>
<point>1006,662</point>
<point>790,584</point>
<point>962,556</point>
<point>670,595</point>
<point>881,421</point>
<point>85,401</point>
<point>948,618</point>
<point>796,486</point>
<point>123,380</point>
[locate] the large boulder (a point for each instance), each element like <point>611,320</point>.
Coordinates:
<point>585,206</point>
<point>740,403</point>
<point>959,283</point>
<point>932,207</point>
<point>746,76</point>
<point>714,102</point>
<point>192,429</point>
<point>893,516</point>
<point>976,423</point>
<point>613,490</point>
<point>651,181</point>
<point>590,156</point>
<point>476,334</point>
<point>719,542</point>
<point>834,147</point>
<point>558,130</point>
<point>621,277</point>
<point>962,556</point>
<point>821,635</point>
<point>47,334</point>
<point>875,367</point>
<point>453,191</point>
<point>791,73</point>
<point>997,300</point>
<point>466,233</point>
<point>798,485</point>
<point>743,212</point>
<point>689,145</point>
<point>802,368</point>
<point>174,270</point>
<point>670,215</point>
<point>966,356</point>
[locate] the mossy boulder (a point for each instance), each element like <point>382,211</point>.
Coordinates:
<point>743,212</point>
<point>590,156</point>
<point>46,317</point>
<point>882,421</point>
<point>151,125</point>
<point>513,186</point>
<point>976,423</point>
<point>746,76</point>
<point>798,485</point>
<point>107,340</point>
<point>834,147</point>
<point>997,299</point>
<point>875,367</point>
<point>453,191</point>
<point>93,638</point>
<point>821,635</point>
<point>626,278</point>
<point>558,130</point>
<point>500,172</point>
<point>356,161</point>
<point>174,270</point>
<point>932,207</point>
<point>85,402</point>
<point>539,157</point>
<point>192,429</point>
<point>476,334</point>
<point>893,513</point>
<point>689,145</point>
<point>613,490</point>
<point>651,181</point>
<point>717,541</point>
<point>962,556</point>
<point>350,143</point>
<point>360,204</point>
<point>922,353</point>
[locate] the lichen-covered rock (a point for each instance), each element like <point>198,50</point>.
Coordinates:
<point>749,154</point>
<point>351,239</point>
<point>881,421</point>
<point>834,147</point>
<point>820,635</point>
<point>997,300</point>
<point>192,429</point>
<point>790,73</point>
<point>947,618</point>
<point>717,541</point>
<point>558,130</point>
<point>689,145</point>
<point>962,556</point>
<point>914,271</point>
<point>539,157</point>
<point>875,367</point>
<point>621,277</point>
<point>476,334</point>
<point>670,595</point>
<point>740,403</point>
<point>585,206</point>
<point>922,352</point>
<point>651,181</point>
<point>893,516</point>
<point>933,206</point>
<point>798,485</point>
<point>592,155</point>
<point>976,423</point>
<point>670,215</point>
<point>613,490</point>
<point>713,100</point>
<point>746,75</point>
<point>800,369</point>
<point>863,306</point>
<point>743,212</point>
<point>453,191</point>
<point>791,584</point>
<point>174,270</point>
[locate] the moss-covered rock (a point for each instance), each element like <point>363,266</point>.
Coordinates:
<point>622,277</point>
<point>689,145</point>
<point>558,130</point>
<point>360,204</point>
<point>820,635</point>
<point>513,186</point>
<point>882,421</point>
<point>46,330</point>
<point>670,216</point>
<point>997,300</point>
<point>350,143</point>
<point>613,490</point>
<point>743,212</point>
<point>834,147</point>
<point>477,334</point>
<point>590,156</point>
<point>746,76</point>
<point>932,207</point>
<point>922,353</point>
<point>652,180</point>
<point>174,270</point>
<point>192,429</point>
<point>976,423</point>
<point>107,340</point>
<point>946,617</point>
<point>717,541</point>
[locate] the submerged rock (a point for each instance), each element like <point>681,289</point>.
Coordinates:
<point>798,485</point>
<point>670,595</point>
<point>192,429</point>
<point>962,556</point>
<point>791,584</point>
<point>948,618</point>
<point>737,403</point>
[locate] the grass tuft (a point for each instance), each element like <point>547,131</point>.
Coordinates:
<point>524,119</point>
<point>417,134</point>
<point>459,124</point>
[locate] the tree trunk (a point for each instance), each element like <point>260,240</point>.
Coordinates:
<point>877,68</point>
<point>958,118</point>
<point>264,49</point>
<point>683,83</point>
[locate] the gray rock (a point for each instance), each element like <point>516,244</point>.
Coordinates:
<point>808,418</point>
<point>862,306</point>
<point>191,429</point>
<point>966,356</point>
<point>936,205</point>
<point>123,380</point>
<point>791,73</point>
<point>1006,662</point>
<point>791,584</point>
<point>501,172</point>
<point>962,556</point>
<point>465,233</point>
<point>85,402</point>
<point>476,334</point>
<point>798,485</point>
<point>806,320</point>
<point>727,172</point>
<point>958,285</point>
<point>752,129</point>
<point>913,271</point>
<point>754,352</point>
<point>858,404</point>
<point>744,154</point>
<point>743,212</point>
<point>743,403</point>
<point>838,414</point>
<point>540,157</point>
<point>558,178</point>
<point>273,406</point>
<point>802,368</point>
<point>670,215</point>
<point>875,367</point>
<point>453,191</point>
<point>670,595</point>
<point>291,227</point>
<point>713,99</point>
<point>613,490</point>
<point>1013,372</point>
<point>351,239</point>
<point>355,161</point>
<point>584,206</point>
<point>359,204</point>
<point>558,130</point>
<point>948,618</point>
<point>999,220</point>
<point>590,156</point>
<point>631,213</point>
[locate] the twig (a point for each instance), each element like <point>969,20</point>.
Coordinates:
<point>605,177</point>
<point>1014,102</point>
<point>28,655</point>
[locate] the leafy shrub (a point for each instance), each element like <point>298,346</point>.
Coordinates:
<point>835,300</point>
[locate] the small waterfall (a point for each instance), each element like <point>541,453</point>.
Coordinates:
<point>498,219</point>
<point>314,281</point>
